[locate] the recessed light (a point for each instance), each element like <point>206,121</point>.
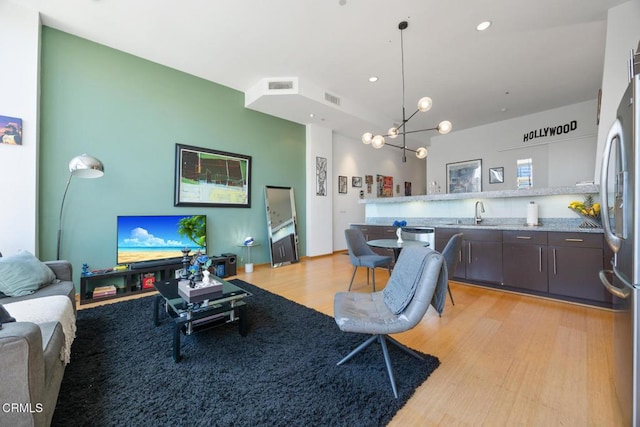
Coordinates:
<point>504,109</point>
<point>373,79</point>
<point>312,115</point>
<point>483,25</point>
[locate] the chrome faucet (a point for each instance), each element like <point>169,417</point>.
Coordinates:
<point>478,216</point>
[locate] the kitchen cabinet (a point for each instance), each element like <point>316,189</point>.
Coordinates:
<point>482,254</point>
<point>575,259</point>
<point>480,258</point>
<point>524,256</point>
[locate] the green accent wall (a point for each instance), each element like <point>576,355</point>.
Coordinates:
<point>130,113</point>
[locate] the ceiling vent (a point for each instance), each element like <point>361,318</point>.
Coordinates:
<point>331,99</point>
<point>281,85</point>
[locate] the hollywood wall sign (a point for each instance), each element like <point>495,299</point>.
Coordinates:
<point>550,131</point>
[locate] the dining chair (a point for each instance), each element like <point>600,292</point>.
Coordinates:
<point>361,255</point>
<point>418,276</point>
<point>451,254</point>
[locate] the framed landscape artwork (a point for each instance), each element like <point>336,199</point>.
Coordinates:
<point>206,177</point>
<point>464,177</point>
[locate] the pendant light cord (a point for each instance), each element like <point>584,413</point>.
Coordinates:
<point>402,66</point>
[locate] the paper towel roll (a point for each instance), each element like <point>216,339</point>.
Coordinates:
<point>532,214</point>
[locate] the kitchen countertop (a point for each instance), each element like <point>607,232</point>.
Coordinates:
<point>565,225</point>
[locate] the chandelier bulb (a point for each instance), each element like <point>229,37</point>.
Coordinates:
<point>378,141</point>
<point>421,153</point>
<point>424,104</point>
<point>367,138</point>
<point>392,132</point>
<point>445,127</point>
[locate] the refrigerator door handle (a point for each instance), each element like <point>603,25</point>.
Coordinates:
<point>620,293</point>
<point>615,133</point>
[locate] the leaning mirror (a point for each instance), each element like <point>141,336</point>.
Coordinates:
<point>281,225</point>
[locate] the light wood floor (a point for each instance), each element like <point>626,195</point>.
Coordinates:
<point>506,359</point>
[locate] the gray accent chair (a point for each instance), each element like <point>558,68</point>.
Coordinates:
<point>361,255</point>
<point>373,313</point>
<point>451,254</point>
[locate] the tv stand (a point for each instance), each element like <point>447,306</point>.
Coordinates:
<point>127,282</point>
<point>130,282</point>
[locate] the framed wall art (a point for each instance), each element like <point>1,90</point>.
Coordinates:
<point>464,177</point>
<point>342,184</point>
<point>321,176</point>
<point>385,185</point>
<point>496,175</point>
<point>356,181</point>
<point>10,130</point>
<point>206,177</point>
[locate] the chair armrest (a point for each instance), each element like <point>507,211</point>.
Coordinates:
<point>21,363</point>
<point>62,269</point>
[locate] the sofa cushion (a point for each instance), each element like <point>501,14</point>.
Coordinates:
<point>23,274</point>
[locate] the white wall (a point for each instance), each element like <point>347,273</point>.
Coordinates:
<point>319,208</point>
<point>19,43</point>
<point>353,158</point>
<point>623,34</point>
<point>557,161</point>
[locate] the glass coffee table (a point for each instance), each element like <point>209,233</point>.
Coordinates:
<point>193,317</point>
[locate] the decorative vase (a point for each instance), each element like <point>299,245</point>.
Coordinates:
<point>399,234</point>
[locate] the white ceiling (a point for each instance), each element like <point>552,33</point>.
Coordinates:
<point>537,55</point>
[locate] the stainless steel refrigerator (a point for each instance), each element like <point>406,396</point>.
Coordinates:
<point>620,207</point>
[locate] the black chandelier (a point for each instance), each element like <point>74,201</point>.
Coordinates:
<point>424,105</point>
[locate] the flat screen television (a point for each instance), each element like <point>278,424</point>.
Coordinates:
<point>159,237</point>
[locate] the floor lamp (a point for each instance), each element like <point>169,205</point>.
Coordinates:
<point>82,166</point>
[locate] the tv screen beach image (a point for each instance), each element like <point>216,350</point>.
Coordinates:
<point>146,238</point>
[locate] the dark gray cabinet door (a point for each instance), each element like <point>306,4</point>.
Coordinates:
<point>574,263</point>
<point>524,256</point>
<point>483,260</point>
<point>525,266</point>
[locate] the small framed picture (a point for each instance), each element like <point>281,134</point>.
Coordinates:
<point>496,175</point>
<point>342,184</point>
<point>356,181</point>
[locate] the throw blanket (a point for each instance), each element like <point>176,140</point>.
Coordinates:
<point>48,309</point>
<point>405,278</point>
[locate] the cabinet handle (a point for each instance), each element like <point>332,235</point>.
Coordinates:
<point>540,259</point>
<point>555,267</point>
<point>469,252</point>
<point>391,231</point>
<point>460,255</point>
<point>523,237</point>
<point>573,240</point>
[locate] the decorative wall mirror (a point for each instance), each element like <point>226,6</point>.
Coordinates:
<point>281,225</point>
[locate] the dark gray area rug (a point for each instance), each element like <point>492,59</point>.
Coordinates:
<point>283,373</point>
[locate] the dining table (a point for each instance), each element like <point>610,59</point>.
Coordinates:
<point>395,245</point>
